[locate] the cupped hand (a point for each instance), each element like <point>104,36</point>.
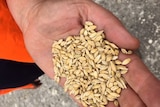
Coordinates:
<point>51,20</point>
<point>55,19</point>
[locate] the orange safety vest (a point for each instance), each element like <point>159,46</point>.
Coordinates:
<point>17,69</point>
<point>11,40</point>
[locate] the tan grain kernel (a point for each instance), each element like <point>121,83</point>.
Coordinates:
<point>103,67</point>
<point>110,97</point>
<point>103,57</point>
<point>121,67</point>
<point>126,61</point>
<point>114,57</point>
<point>105,76</point>
<point>88,23</point>
<point>116,52</point>
<point>114,94</point>
<point>92,27</point>
<point>123,83</point>
<point>130,52</point>
<point>120,84</point>
<point>118,90</point>
<point>115,83</point>
<point>96,86</point>
<point>85,32</point>
<point>125,51</point>
<point>93,50</point>
<point>95,74</point>
<point>110,85</point>
<point>98,38</point>
<point>118,74</point>
<point>104,99</point>
<point>114,88</point>
<point>124,71</point>
<point>96,53</point>
<point>118,62</point>
<point>84,104</point>
<point>92,35</point>
<point>101,79</point>
<point>112,80</point>
<point>108,90</point>
<point>109,58</point>
<point>89,55</point>
<point>100,32</point>
<point>113,66</point>
<point>103,86</point>
<point>97,58</point>
<point>81,33</point>
<point>113,46</point>
<point>116,103</point>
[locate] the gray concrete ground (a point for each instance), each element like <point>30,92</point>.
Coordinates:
<point>140,17</point>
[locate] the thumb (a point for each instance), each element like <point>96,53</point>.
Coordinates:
<point>142,81</point>
<point>113,28</point>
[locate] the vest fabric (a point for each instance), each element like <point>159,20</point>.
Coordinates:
<point>16,65</point>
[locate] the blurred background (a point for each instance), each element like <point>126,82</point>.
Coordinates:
<point>140,17</point>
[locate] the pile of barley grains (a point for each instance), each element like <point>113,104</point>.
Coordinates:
<point>91,67</point>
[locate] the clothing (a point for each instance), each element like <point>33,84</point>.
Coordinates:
<point>16,65</point>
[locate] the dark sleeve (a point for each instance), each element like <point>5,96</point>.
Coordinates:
<point>14,74</point>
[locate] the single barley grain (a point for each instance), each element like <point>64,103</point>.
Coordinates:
<point>126,61</point>
<point>116,103</point>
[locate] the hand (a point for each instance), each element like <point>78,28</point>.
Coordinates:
<point>51,20</point>
<point>143,88</point>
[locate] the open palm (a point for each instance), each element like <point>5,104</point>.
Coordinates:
<point>55,19</point>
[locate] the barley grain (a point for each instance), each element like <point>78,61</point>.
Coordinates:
<point>110,85</point>
<point>112,80</point>
<point>118,62</point>
<point>88,23</point>
<point>124,71</point>
<point>92,27</point>
<point>125,51</point>
<point>126,61</point>
<point>121,67</point>
<point>116,103</point>
<point>97,58</point>
<point>114,94</point>
<point>105,76</point>
<point>114,88</point>
<point>109,58</point>
<point>118,74</point>
<point>113,66</point>
<point>118,90</point>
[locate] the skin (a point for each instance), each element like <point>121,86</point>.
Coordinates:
<point>43,21</point>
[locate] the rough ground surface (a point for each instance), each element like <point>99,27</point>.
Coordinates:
<point>140,17</point>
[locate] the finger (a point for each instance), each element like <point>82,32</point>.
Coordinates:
<point>129,98</point>
<point>114,30</point>
<point>110,104</point>
<point>142,81</point>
